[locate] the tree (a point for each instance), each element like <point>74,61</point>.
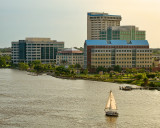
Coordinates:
<point>62,70</point>
<point>23,66</point>
<point>34,63</point>
<point>139,76</point>
<point>64,62</point>
<point>77,66</point>
<point>85,71</point>
<point>39,68</point>
<point>127,71</point>
<point>109,69</point>
<point>110,75</point>
<point>117,68</point>
<point>145,81</point>
<point>2,62</point>
<point>100,68</point>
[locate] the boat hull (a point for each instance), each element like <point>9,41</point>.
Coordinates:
<point>112,113</point>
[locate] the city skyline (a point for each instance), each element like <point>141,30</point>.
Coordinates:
<point>67,20</point>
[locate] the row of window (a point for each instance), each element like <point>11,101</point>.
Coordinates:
<point>144,54</point>
<point>144,61</point>
<point>123,66</point>
<point>70,59</point>
<point>101,58</point>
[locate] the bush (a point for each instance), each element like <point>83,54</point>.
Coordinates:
<point>152,84</point>
<point>139,76</point>
<point>151,75</point>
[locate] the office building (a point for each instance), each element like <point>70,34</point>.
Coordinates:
<point>122,33</point>
<point>96,22</point>
<point>135,54</point>
<point>70,56</point>
<point>31,49</point>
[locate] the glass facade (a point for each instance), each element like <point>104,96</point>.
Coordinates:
<point>127,33</point>
<point>47,53</point>
<point>22,49</point>
<point>32,49</point>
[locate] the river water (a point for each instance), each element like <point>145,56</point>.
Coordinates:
<point>43,101</point>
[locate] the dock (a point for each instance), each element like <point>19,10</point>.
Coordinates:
<point>129,88</point>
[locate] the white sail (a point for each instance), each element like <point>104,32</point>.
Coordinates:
<point>108,103</point>
<point>111,103</point>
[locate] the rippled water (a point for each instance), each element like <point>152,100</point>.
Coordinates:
<point>28,101</point>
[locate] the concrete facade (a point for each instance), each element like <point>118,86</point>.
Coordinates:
<point>31,49</point>
<point>109,54</point>
<point>70,56</point>
<point>96,22</point>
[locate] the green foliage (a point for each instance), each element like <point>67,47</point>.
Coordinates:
<point>151,75</point>
<point>3,63</point>
<point>152,84</point>
<point>85,71</point>
<point>23,66</point>
<point>101,68</point>
<point>156,51</point>
<point>61,70</point>
<point>81,49</point>
<point>117,68</point>
<point>145,81</point>
<point>5,49</point>
<point>142,70</point>
<point>109,69</point>
<point>139,76</point>
<point>110,75</point>
<point>96,75</point>
<point>71,66</point>
<point>77,66</point>
<point>39,68</point>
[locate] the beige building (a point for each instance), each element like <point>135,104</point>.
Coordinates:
<point>96,22</point>
<point>126,58</point>
<point>135,54</point>
<point>70,56</point>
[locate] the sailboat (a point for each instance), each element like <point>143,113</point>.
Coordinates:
<point>111,107</point>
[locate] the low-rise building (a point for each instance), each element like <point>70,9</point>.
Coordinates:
<point>31,49</point>
<point>135,54</point>
<point>70,56</point>
<point>5,54</point>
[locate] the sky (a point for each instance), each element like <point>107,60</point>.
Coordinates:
<point>66,20</point>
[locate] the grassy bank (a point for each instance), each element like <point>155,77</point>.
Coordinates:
<point>129,76</point>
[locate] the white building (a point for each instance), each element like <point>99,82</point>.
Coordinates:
<point>31,49</point>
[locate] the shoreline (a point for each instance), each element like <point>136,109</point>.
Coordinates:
<point>92,77</point>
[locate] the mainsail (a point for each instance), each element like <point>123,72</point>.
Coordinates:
<point>111,103</point>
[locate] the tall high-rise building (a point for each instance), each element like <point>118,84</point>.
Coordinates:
<point>96,22</point>
<point>31,49</point>
<point>127,33</point>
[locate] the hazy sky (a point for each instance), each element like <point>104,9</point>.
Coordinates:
<point>66,20</point>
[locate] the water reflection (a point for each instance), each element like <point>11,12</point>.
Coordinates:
<point>111,121</point>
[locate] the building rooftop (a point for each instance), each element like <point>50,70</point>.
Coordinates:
<point>116,42</point>
<point>100,14</point>
<point>70,50</point>
<point>37,39</point>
